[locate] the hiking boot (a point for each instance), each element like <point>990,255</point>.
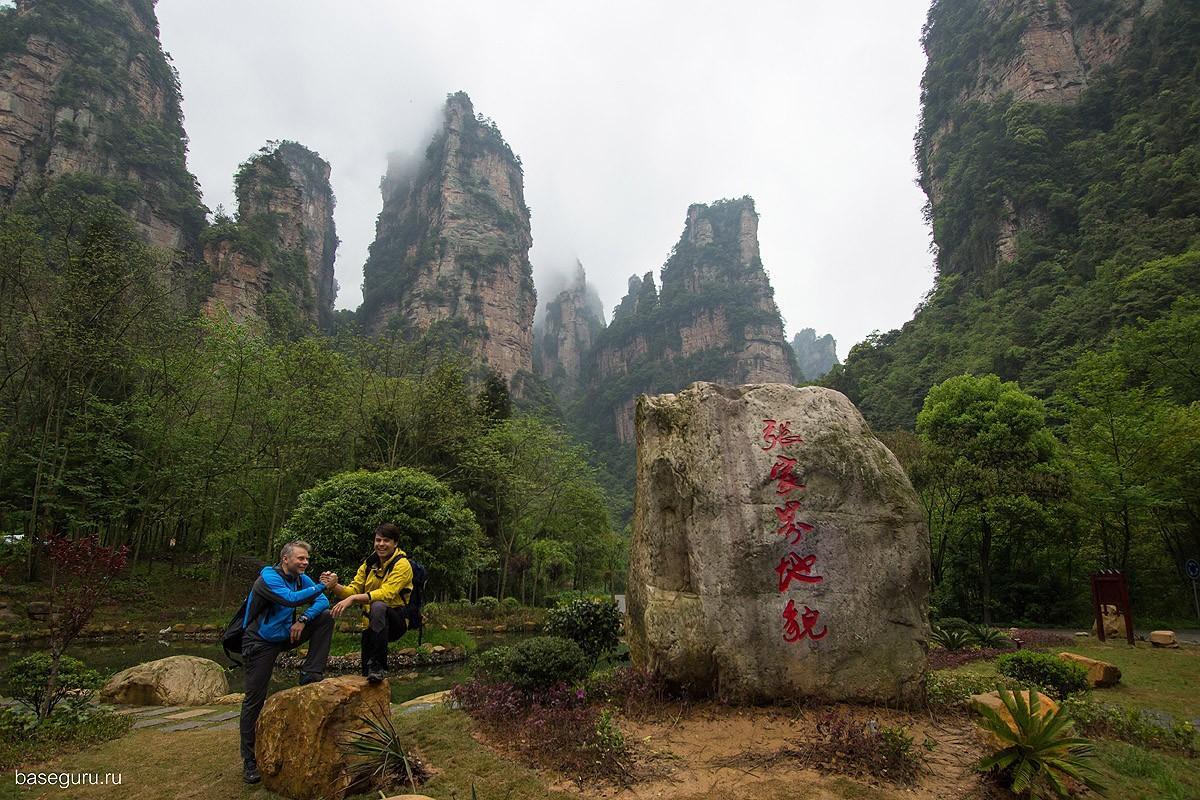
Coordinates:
<point>376,673</point>
<point>310,677</point>
<point>250,773</point>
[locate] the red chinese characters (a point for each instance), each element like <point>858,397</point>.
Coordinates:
<point>774,434</point>
<point>806,628</point>
<point>783,470</point>
<point>795,570</point>
<point>794,567</point>
<point>788,524</point>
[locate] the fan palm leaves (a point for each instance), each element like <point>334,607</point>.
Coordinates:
<point>1037,751</point>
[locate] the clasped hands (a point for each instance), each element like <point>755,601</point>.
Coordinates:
<point>330,579</point>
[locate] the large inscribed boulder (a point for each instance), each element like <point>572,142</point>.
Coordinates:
<point>171,681</point>
<point>778,549</point>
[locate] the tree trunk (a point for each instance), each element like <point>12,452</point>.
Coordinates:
<point>985,564</point>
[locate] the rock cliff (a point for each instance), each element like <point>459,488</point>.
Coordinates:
<point>715,319</point>
<point>1057,153</point>
<point>450,261</point>
<point>573,320</point>
<point>814,356</point>
<point>86,88</point>
<point>1036,51</point>
<point>274,265</point>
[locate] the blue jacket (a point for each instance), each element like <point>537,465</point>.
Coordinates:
<point>274,599</point>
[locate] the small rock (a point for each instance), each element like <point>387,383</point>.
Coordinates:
<point>234,698</point>
<point>38,609</point>
<point>429,699</point>
<point>500,629</point>
<point>1082,634</point>
<point>178,627</point>
<point>437,648</point>
<point>407,652</point>
<point>1163,639</point>
<point>1101,674</point>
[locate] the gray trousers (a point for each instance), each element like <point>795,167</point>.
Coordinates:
<point>259,662</point>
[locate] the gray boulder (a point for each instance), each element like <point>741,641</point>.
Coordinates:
<point>775,561</point>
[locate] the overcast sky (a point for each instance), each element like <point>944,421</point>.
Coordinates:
<point>623,113</point>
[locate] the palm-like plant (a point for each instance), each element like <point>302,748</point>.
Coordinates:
<point>985,636</point>
<point>950,638</point>
<point>377,755</point>
<point>1037,751</point>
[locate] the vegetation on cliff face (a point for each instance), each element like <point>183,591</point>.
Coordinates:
<point>1068,256</point>
<point>1106,194</point>
<point>107,41</point>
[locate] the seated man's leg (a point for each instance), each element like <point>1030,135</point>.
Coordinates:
<point>319,635</point>
<point>259,662</point>
<point>375,639</point>
<point>397,624</point>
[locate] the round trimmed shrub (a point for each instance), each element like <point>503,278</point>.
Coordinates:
<point>540,662</point>
<point>487,605</point>
<point>338,518</point>
<point>28,679</point>
<point>1057,677</point>
<point>591,624</point>
<point>493,665</point>
<point>509,605</point>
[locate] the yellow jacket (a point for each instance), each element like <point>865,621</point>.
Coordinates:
<point>390,582</point>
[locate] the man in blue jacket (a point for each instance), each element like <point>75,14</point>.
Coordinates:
<point>271,627</point>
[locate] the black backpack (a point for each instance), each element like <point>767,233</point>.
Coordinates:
<point>235,630</point>
<point>416,600</point>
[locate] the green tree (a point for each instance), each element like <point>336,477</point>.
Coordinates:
<point>991,439</point>
<point>337,517</point>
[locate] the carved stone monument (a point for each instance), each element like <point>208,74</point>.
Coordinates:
<point>778,549</point>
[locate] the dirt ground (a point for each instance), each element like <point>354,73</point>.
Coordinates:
<point>715,751</point>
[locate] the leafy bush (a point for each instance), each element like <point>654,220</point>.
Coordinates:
<point>555,728</point>
<point>1058,677</point>
<point>1037,752</point>
<point>338,515</point>
<point>74,724</point>
<point>848,744</point>
<point>487,605</point>
<point>540,662</point>
<point>1135,726</point>
<point>955,688</point>
<point>493,665</point>
<point>27,680</point>
<point>950,638</point>
<point>952,624</point>
<point>592,624</point>
<point>636,691</point>
<point>510,605</point>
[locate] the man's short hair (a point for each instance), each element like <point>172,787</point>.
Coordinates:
<point>388,530</point>
<point>294,545</point>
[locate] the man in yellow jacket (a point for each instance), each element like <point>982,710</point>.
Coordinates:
<point>382,586</point>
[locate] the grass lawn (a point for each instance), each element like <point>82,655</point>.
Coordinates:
<point>204,765</point>
<point>1151,677</point>
<point>1133,772</point>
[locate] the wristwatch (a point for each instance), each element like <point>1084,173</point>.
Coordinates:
<point>303,620</point>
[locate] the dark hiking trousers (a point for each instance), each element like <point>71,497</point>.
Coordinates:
<point>259,661</point>
<point>385,624</point>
